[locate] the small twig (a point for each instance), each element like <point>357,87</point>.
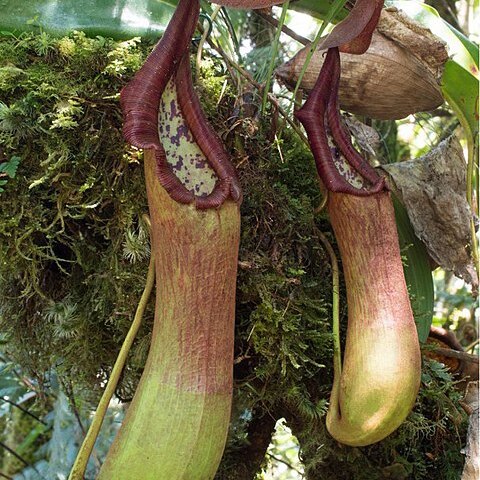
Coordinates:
<point>288,31</point>
<point>472,345</point>
<point>204,36</point>
<point>447,352</point>
<point>80,465</point>
<point>24,410</point>
<point>231,71</point>
<point>69,392</point>
<point>5,476</point>
<point>231,30</point>
<point>321,207</point>
<point>273,57</point>
<point>291,467</point>
<point>15,454</point>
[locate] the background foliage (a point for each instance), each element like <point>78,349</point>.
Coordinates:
<point>74,253</point>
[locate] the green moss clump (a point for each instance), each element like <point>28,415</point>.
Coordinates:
<point>73,251</point>
<point>427,445</point>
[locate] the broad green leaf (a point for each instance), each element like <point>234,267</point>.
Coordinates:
<point>318,8</point>
<point>418,274</point>
<point>11,389</point>
<point>461,92</point>
<point>119,19</point>
<point>468,44</point>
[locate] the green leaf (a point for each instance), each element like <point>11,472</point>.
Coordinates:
<point>119,19</point>
<point>472,48</point>
<point>31,437</point>
<point>10,388</point>
<point>460,89</point>
<point>318,9</point>
<point>418,274</point>
<point>10,168</point>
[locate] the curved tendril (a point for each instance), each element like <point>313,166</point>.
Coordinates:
<point>80,466</point>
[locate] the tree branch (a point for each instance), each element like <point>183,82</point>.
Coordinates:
<point>14,453</point>
<point>24,410</point>
<point>288,31</point>
<point>447,352</point>
<point>291,467</point>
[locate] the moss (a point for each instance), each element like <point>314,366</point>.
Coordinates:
<point>69,290</point>
<point>427,445</point>
<point>74,253</point>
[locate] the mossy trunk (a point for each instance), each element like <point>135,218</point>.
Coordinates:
<point>177,424</point>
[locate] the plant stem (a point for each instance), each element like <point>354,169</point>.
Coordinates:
<point>281,460</point>
<point>204,37</point>
<point>337,349</point>
<point>471,147</point>
<point>24,410</point>
<point>271,65</point>
<point>472,345</point>
<point>448,352</point>
<point>80,465</point>
<point>323,203</point>
<point>231,31</point>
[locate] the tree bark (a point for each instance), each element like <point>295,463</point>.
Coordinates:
<point>471,471</point>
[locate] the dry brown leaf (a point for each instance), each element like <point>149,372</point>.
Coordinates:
<point>433,191</point>
<point>387,82</point>
<point>417,39</point>
<point>367,137</point>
